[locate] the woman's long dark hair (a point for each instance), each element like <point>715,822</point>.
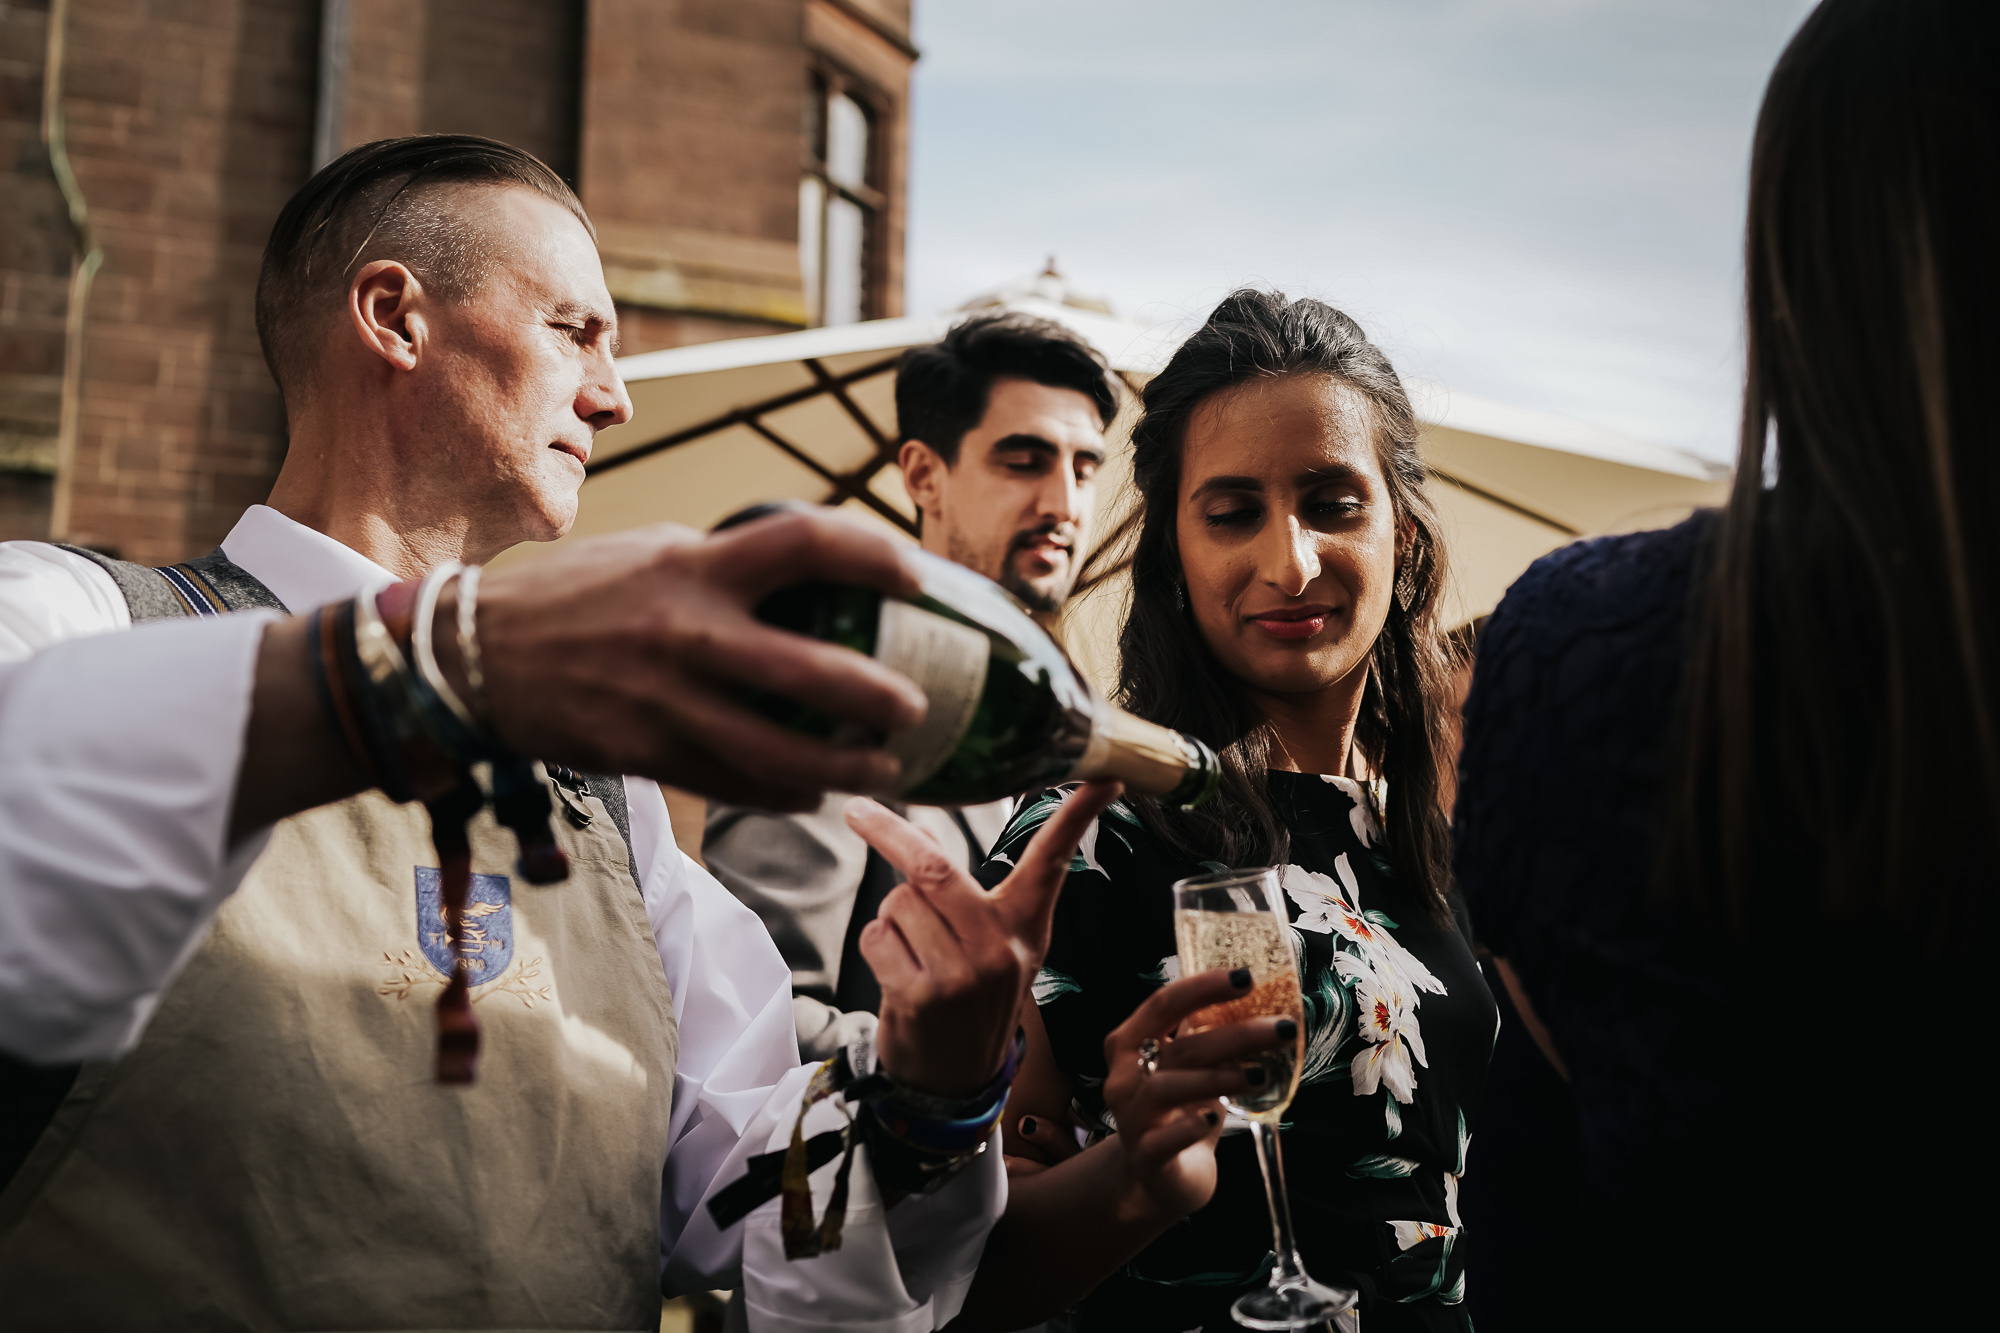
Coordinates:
<point>1842,691</point>
<point>1167,673</point>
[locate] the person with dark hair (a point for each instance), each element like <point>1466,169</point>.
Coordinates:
<point>1002,424</point>
<point>230,957</point>
<point>1729,789</point>
<point>1286,575</point>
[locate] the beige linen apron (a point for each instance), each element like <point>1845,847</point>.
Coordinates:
<point>275,1153</point>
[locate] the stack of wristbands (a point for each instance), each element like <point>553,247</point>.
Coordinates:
<point>412,735</point>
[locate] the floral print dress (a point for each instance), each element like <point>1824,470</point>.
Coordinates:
<point>1399,1029</point>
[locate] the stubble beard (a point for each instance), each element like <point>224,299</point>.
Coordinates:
<point>1046,597</point>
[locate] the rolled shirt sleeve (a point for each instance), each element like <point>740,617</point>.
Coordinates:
<point>737,1086</point>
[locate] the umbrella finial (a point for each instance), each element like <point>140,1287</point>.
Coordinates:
<point>1049,284</point>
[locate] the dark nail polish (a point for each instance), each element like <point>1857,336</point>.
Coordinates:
<point>1027,1124</point>
<point>1212,1118</point>
<point>1255,1076</point>
<point>1240,978</point>
<point>1287,1030</point>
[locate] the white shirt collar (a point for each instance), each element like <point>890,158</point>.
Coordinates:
<point>302,567</point>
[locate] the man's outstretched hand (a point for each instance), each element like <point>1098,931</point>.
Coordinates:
<point>624,655</point>
<point>955,961</point>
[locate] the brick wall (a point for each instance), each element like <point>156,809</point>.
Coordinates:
<point>188,131</point>
<point>35,257</point>
<point>191,122</point>
<point>507,69</point>
<point>729,76</point>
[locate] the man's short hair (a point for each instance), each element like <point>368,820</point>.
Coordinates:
<point>391,199</point>
<point>942,388</point>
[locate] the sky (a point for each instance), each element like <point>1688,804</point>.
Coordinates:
<point>1537,201</point>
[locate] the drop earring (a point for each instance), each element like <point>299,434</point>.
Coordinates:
<point>1180,597</point>
<point>1406,585</point>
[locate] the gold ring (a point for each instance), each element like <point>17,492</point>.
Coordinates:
<point>1149,1056</point>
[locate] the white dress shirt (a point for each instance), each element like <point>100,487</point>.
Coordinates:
<point>118,760</point>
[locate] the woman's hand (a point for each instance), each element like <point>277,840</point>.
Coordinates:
<point>954,960</point>
<point>1170,1118</point>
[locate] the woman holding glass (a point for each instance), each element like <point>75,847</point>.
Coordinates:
<point>1286,577</point>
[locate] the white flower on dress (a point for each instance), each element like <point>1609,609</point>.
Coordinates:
<point>1410,1234</point>
<point>1362,817</point>
<point>1385,1014</point>
<point>1334,907</point>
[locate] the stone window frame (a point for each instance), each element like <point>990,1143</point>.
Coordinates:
<point>826,80</point>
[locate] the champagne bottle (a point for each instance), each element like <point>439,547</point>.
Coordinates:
<point>1008,710</point>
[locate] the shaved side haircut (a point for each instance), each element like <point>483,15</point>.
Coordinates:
<point>401,199</point>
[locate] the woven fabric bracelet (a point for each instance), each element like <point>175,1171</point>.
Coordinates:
<point>895,1159</point>
<point>937,1124</point>
<point>375,693</point>
<point>917,1141</point>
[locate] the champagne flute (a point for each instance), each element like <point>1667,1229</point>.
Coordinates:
<point>1234,919</point>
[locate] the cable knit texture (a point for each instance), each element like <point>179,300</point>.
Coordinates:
<point>1559,795</point>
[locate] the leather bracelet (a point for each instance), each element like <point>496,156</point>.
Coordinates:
<point>331,685</point>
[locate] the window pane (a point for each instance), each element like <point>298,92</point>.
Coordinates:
<point>812,202</point>
<point>846,258</point>
<point>816,117</point>
<point>847,142</point>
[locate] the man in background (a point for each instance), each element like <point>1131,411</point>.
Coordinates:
<point>1002,427</point>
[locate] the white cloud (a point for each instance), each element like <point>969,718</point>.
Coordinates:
<point>1535,200</point>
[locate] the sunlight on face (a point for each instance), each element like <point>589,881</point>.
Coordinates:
<point>1288,535</point>
<point>522,369</point>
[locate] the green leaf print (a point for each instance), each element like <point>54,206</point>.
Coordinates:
<point>1119,810</point>
<point>1329,1011</point>
<point>1031,817</point>
<point>1381,919</point>
<point>1050,983</point>
<point>1392,1116</point>
<point>1376,1166</point>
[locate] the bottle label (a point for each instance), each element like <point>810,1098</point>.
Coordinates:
<point>948,661</point>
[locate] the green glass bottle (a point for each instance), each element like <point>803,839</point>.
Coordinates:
<point>1008,710</point>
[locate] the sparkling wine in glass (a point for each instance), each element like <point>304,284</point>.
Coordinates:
<point>1232,919</point>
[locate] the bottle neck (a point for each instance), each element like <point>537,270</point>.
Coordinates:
<point>1148,758</point>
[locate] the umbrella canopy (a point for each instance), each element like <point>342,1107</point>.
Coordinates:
<point>811,416</point>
